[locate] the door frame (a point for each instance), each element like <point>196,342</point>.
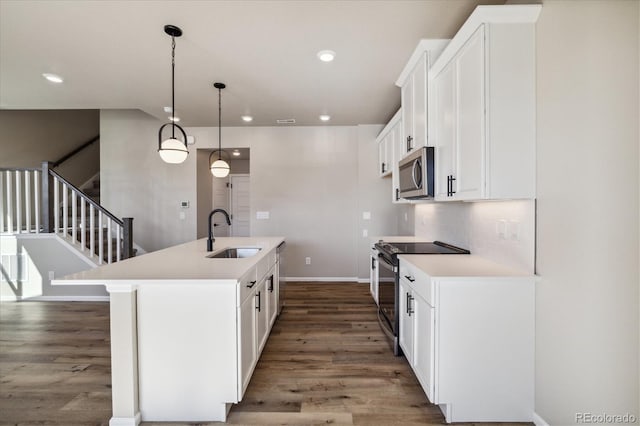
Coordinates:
<point>231,211</point>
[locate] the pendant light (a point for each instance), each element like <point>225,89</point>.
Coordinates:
<point>173,150</point>
<point>219,168</point>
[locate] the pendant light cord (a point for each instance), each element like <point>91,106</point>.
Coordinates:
<point>219,124</point>
<point>173,89</point>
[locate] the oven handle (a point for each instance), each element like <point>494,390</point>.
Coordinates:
<point>382,261</point>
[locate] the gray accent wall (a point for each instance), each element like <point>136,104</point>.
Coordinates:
<point>29,137</point>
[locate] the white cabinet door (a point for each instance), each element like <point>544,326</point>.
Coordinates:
<point>470,176</point>
<point>420,103</point>
<point>262,320</point>
<point>444,129</point>
<point>247,342</point>
<point>405,330</point>
<point>407,115</point>
<point>423,344</point>
<point>272,296</point>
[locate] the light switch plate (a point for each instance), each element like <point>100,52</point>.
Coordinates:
<point>262,215</point>
<point>366,215</point>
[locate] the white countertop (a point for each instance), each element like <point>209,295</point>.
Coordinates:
<point>461,265</point>
<point>184,262</point>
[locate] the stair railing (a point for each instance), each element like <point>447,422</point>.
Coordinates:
<point>40,200</point>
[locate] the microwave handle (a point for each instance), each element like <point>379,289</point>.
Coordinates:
<point>417,184</point>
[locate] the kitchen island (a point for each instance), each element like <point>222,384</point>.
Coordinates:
<point>186,330</point>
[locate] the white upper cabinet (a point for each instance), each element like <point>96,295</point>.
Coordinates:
<point>483,107</point>
<point>414,93</point>
<point>386,140</point>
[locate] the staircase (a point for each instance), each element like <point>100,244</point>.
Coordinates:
<point>42,201</point>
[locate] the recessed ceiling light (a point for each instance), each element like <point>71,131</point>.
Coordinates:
<point>247,118</point>
<point>174,119</point>
<point>326,55</point>
<point>54,78</point>
<point>236,153</point>
<point>325,117</point>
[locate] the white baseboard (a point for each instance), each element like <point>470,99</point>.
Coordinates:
<point>322,279</point>
<point>539,421</point>
<point>68,299</point>
<point>364,280</point>
<point>125,421</point>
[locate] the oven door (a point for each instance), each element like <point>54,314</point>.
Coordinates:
<point>387,291</point>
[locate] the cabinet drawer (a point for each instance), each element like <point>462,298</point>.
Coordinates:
<point>265,264</point>
<point>419,281</point>
<point>247,285</point>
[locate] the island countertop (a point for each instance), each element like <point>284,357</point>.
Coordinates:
<point>177,264</point>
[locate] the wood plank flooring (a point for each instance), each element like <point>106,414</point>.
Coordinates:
<point>326,361</point>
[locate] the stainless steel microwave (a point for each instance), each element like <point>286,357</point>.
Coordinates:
<point>417,174</point>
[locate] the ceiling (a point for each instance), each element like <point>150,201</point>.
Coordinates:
<point>115,54</point>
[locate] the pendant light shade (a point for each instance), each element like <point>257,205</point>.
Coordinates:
<point>173,150</point>
<point>219,168</point>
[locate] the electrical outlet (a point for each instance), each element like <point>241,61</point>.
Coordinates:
<point>514,230</point>
<point>366,215</point>
<point>307,261</point>
<point>365,232</point>
<point>52,275</point>
<point>501,229</point>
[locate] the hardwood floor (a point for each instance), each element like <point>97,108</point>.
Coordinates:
<point>326,361</point>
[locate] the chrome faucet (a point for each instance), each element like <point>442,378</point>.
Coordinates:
<point>211,238</point>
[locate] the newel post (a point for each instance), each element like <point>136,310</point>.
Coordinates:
<point>127,237</point>
<point>47,207</point>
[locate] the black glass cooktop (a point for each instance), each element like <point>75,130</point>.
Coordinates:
<point>436,247</point>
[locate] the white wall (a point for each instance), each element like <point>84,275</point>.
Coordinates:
<point>38,255</point>
<point>587,256</point>
<point>308,178</point>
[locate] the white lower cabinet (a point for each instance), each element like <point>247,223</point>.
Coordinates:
<point>198,345</point>
<point>272,292</point>
<point>470,340</point>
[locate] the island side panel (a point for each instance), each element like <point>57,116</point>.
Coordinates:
<point>187,337</point>
<point>124,356</point>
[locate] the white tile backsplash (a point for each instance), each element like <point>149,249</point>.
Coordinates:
<point>503,231</point>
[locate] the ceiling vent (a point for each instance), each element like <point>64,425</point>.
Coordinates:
<point>286,121</point>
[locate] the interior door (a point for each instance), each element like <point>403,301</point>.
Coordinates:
<point>220,201</point>
<point>240,206</point>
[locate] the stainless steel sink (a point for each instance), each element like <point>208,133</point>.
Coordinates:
<point>235,253</point>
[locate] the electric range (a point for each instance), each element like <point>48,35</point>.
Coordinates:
<point>388,275</point>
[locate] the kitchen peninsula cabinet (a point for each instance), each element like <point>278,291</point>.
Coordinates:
<point>483,107</point>
<point>467,330</point>
<point>186,335</point>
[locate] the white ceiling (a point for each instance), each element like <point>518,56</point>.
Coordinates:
<point>115,54</point>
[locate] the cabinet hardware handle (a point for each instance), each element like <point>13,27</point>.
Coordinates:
<point>410,278</point>
<point>251,284</point>
<point>409,147</point>
<point>407,303</point>
<point>271,283</point>
<point>409,307</point>
<point>397,194</point>
<point>259,304</point>
<point>383,167</point>
<point>373,263</point>
<point>450,190</point>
